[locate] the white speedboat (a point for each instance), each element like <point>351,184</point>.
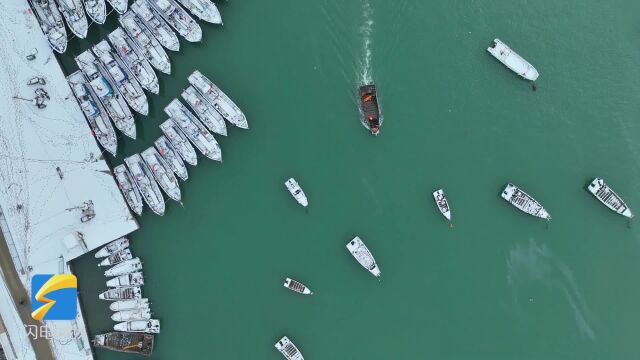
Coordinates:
<point>156,25</point>
<point>607,196</point>
<point>128,188</point>
<point>180,142</point>
<point>288,349</point>
<point>120,76</point>
<point>219,100</point>
<point>194,130</point>
<point>209,116</point>
<point>296,191</point>
<point>162,173</point>
<point>130,315</point>
<point>178,18</point>
<point>94,112</point>
<point>512,60</point>
<point>96,9</point>
<point>137,64</point>
<point>122,293</point>
<point>124,305</point>
<point>116,258</point>
<point>131,279</point>
<point>151,326</point>
<point>73,13</point>
<point>115,105</point>
<point>50,21</point>
<point>112,247</point>
<point>124,267</point>
<point>297,286</point>
<point>120,6</point>
<point>524,202</point>
<point>143,177</point>
<point>442,203</point>
<point>144,42</point>
<point>204,10</point>
<point>359,250</point>
<point>171,157</point>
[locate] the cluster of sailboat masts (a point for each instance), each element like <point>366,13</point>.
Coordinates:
<point>156,16</point>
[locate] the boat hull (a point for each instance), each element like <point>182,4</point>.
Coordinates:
<point>512,60</point>
<point>601,191</point>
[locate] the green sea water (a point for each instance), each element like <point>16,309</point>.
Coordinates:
<point>499,285</point>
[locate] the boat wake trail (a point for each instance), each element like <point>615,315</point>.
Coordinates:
<point>366,76</point>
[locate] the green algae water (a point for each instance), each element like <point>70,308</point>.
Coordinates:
<point>499,285</point>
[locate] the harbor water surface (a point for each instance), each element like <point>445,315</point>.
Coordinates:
<point>499,285</point>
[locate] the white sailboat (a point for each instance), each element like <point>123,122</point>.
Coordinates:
<point>145,43</point>
<point>156,25</point>
<point>609,198</point>
<point>178,18</point>
<point>512,60</point>
<point>359,250</point>
<point>116,258</point>
<point>128,188</point>
<point>194,130</point>
<point>124,305</point>
<point>162,173</point>
<point>209,116</point>
<point>143,178</point>
<point>171,157</point>
<point>151,326</point>
<point>296,191</point>
<point>124,267</point>
<point>288,349</point>
<point>180,142</point>
<point>524,202</point>
<point>219,100</point>
<point>137,64</point>
<point>112,247</point>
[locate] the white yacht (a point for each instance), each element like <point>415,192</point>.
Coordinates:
<point>442,203</point>
<point>178,18</point>
<point>116,258</point>
<point>120,6</point>
<point>297,286</point>
<point>288,349</point>
<point>524,202</point>
<point>112,247</point>
<point>131,279</point>
<point>137,64</point>
<point>130,315</point>
<point>194,130</point>
<point>608,197</point>
<point>296,191</point>
<point>124,267</point>
<point>156,25</point>
<point>73,13</point>
<point>162,173</point>
<point>209,116</point>
<point>359,250</point>
<point>122,293</point>
<point>143,178</point>
<point>151,326</point>
<point>124,305</point>
<point>171,157</point>
<point>219,100</point>
<point>180,142</point>
<point>51,23</point>
<point>128,188</point>
<point>96,9</point>
<point>512,60</point>
<point>144,42</point>
<point>204,10</point>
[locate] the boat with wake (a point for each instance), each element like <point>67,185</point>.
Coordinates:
<point>131,279</point>
<point>120,6</point>
<point>219,100</point>
<point>204,10</point>
<point>126,342</point>
<point>442,203</point>
<point>162,173</point>
<point>143,178</point>
<point>171,157</point>
<point>96,9</point>
<point>94,112</point>
<point>179,141</point>
<point>194,130</point>
<point>124,305</point>
<point>116,258</point>
<point>512,60</point>
<point>178,18</point>
<point>112,247</point>
<point>609,198</point>
<point>371,118</point>
<point>296,191</point>
<point>129,315</point>
<point>209,116</point>
<point>151,326</point>
<point>50,21</point>
<point>297,286</point>
<point>524,202</point>
<point>144,42</point>
<point>124,267</point>
<point>122,293</point>
<point>137,65</point>
<point>156,25</point>
<point>128,188</point>
<point>73,13</point>
<point>361,252</point>
<point>288,349</point>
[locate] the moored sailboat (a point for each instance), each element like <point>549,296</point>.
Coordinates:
<point>194,130</point>
<point>116,258</point>
<point>151,326</point>
<point>128,188</point>
<point>137,64</point>
<point>209,116</point>
<point>124,267</point>
<point>112,247</point>
<point>131,279</point>
<point>162,173</point>
<point>156,25</point>
<point>120,6</point>
<point>122,293</point>
<point>50,21</point>
<point>180,142</point>
<point>96,9</point>
<point>143,178</point>
<point>73,13</point>
<point>129,315</point>
<point>145,43</point>
<point>123,305</point>
<point>204,10</point>
<point>219,100</point>
<point>178,18</point>
<point>171,157</point>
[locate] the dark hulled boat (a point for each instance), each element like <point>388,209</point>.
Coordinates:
<point>370,108</point>
<point>136,343</point>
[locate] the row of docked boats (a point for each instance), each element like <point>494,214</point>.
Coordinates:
<point>135,326</point>
<point>160,20</point>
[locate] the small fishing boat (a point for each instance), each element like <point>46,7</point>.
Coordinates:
<point>370,109</point>
<point>120,6</point>
<point>194,130</point>
<point>179,141</point>
<point>129,315</point>
<point>128,188</point>
<point>122,293</point>
<point>219,100</point>
<point>137,64</point>
<point>73,13</point>
<point>296,191</point>
<point>115,105</point>
<point>156,25</point>
<point>442,203</point>
<point>204,10</point>
<point>143,178</point>
<point>112,247</point>
<point>209,116</point>
<point>124,305</point>
<point>126,342</point>
<point>512,60</point>
<point>359,250</point>
<point>288,349</point>
<point>120,76</point>
<point>124,267</point>
<point>151,326</point>
<point>131,279</point>
<point>524,202</point>
<point>608,197</point>
<point>50,20</point>
<point>178,18</point>
<point>96,9</point>
<point>171,157</point>
<point>94,112</point>
<point>145,43</point>
<point>162,173</point>
<point>117,258</point>
<point>297,286</point>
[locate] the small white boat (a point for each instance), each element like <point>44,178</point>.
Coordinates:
<point>124,267</point>
<point>96,9</point>
<point>607,196</point>
<point>73,13</point>
<point>145,43</point>
<point>156,25</point>
<point>124,305</point>
<point>120,6</point>
<point>359,250</point>
<point>128,188</point>
<point>178,18</point>
<point>194,130</point>
<point>180,142</point>
<point>171,157</point>
<point>130,315</point>
<point>50,20</point>
<point>209,116</point>
<point>204,10</point>
<point>512,60</point>
<point>94,112</point>
<point>112,247</point>
<point>442,203</point>
<point>132,292</point>
<point>162,173</point>
<point>288,349</point>
<point>297,286</point>
<point>219,100</point>
<point>137,64</point>
<point>151,326</point>
<point>116,258</point>
<point>524,202</point>
<point>131,279</point>
<point>143,178</point>
<point>296,191</point>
